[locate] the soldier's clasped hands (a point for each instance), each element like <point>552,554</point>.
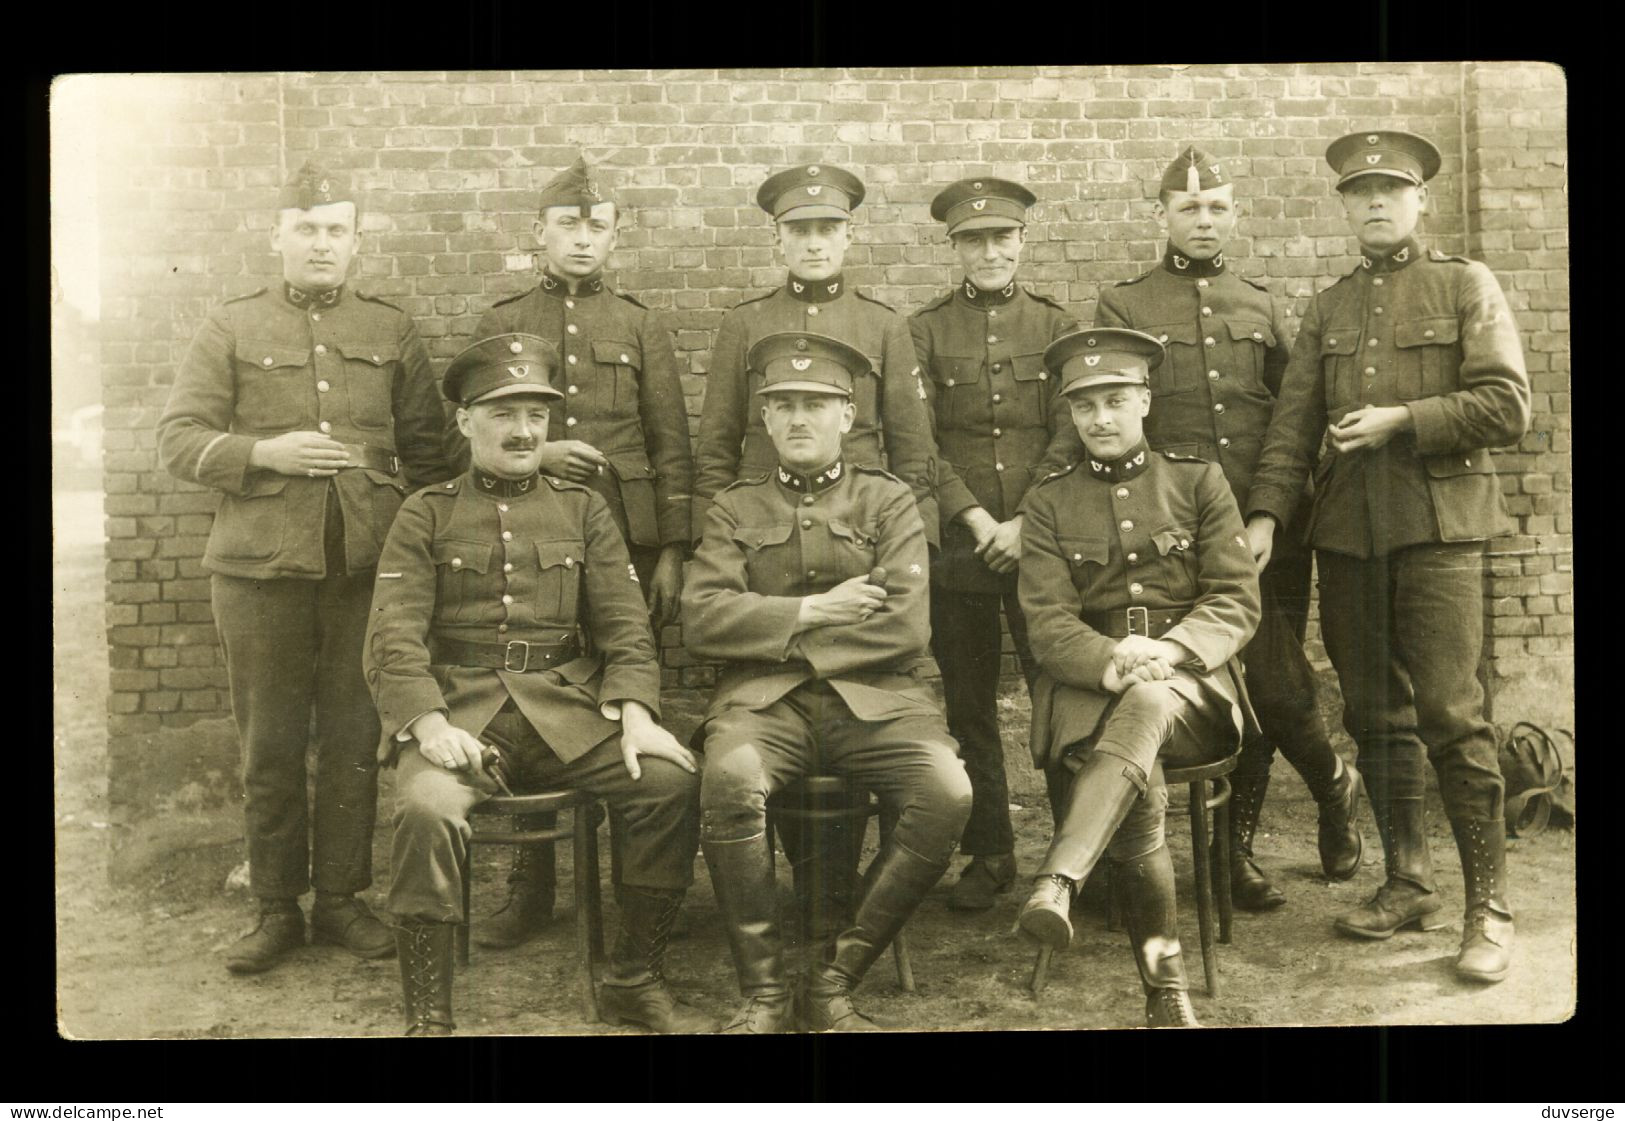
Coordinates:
<point>300,453</point>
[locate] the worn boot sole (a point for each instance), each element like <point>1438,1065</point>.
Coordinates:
<point>1049,928</point>
<point>1430,921</point>
<point>328,938</point>
<point>1484,977</point>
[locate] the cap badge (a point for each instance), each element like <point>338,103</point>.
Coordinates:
<point>1092,341</point>
<point>518,371</point>
<point>815,188</point>
<point>1214,168</point>
<point>1372,139</point>
<point>1374,157</point>
<point>801,363</point>
<point>813,170</point>
<point>589,187</point>
<point>1091,359</point>
<point>801,344</point>
<point>323,188</point>
<point>516,346</point>
<point>976,186</point>
<point>979,204</point>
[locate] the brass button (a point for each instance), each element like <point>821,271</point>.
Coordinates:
<point>1077,556</point>
<point>1218,407</point>
<point>1136,589</point>
<point>993,338</point>
<point>992,312</point>
<point>1209,341</point>
<point>950,383</point>
<point>1122,492</point>
<point>569,422</point>
<point>1213,375</point>
<point>1376,311</point>
<point>571,359</point>
<point>316,315</point>
<point>572,329</point>
<point>998,432</point>
<point>569,303</point>
<point>1043,375</point>
<point>573,389</point>
<point>325,426</point>
<point>626,359</point>
<point>457,562</point>
<point>806,523</point>
<point>1331,342</point>
<point>997,366</point>
<point>508,567</point>
<point>1428,334</point>
<point>997,398</point>
<point>322,386</point>
<point>812,573</point>
<point>998,467</point>
<point>1224,441</point>
<point>1468,462</point>
<point>1258,335</point>
<point>1163,337</point>
<point>807,500</point>
<point>1369,370</point>
<point>1377,280</point>
<point>1375,342</point>
<point>502,628</point>
<point>1184,543</point>
<point>1207,311</point>
<point>321,348</point>
<point>1125,525</point>
<point>268,360</point>
<point>375,358</point>
<point>507,599</point>
<point>1134,558</point>
<point>502,506</point>
<point>507,535</point>
<point>1202,283</point>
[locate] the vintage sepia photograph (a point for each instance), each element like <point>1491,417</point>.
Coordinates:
<point>801,550</point>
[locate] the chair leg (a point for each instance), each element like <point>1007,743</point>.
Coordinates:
<point>899,946</point>
<point>1204,884</point>
<point>595,892</point>
<point>1114,917</point>
<point>468,911</point>
<point>1221,837</point>
<point>585,868</point>
<point>1040,970</point>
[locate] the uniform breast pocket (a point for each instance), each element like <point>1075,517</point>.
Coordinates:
<point>866,394</point>
<point>251,526</point>
<point>1337,368</point>
<point>768,562</point>
<point>1085,557</point>
<point>369,380</point>
<point>1428,356</point>
<point>558,580</point>
<point>1032,388</point>
<point>275,389</point>
<point>620,368</point>
<point>854,549</point>
<point>961,391</point>
<point>1183,368</point>
<point>1250,340</point>
<point>1176,545</point>
<point>462,579</point>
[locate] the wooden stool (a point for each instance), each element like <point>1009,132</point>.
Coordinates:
<point>1196,778</point>
<point>821,798</point>
<point>583,834</point>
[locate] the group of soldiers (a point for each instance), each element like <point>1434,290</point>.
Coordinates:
<point>472,591</point>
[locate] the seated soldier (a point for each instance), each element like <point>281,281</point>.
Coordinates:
<point>811,584</point>
<point>1139,590</point>
<point>483,586</point>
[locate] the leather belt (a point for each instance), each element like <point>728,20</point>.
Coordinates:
<point>518,656</point>
<point>374,459</point>
<point>1124,621</point>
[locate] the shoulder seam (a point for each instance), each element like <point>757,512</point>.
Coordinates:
<point>872,300</point>
<point>245,296</point>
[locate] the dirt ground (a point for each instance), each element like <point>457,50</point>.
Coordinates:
<point>144,910</point>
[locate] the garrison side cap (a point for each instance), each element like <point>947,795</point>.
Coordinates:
<point>1194,170</point>
<point>982,203</point>
<point>1403,155</point>
<point>1103,356</point>
<point>501,366</point>
<point>574,186</point>
<point>799,361</point>
<point>810,191</point>
<point>312,186</point>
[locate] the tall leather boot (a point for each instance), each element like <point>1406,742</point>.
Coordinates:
<point>1250,889</point>
<point>742,878</point>
<point>893,886</point>
<point>1145,892</point>
<point>823,857</point>
<point>1341,844</point>
<point>635,990</point>
<point>1408,897</point>
<point>531,882</point>
<point>1100,798</point>
<point>1486,932</point>
<point>425,953</point>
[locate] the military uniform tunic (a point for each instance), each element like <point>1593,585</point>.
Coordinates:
<point>890,399</point>
<point>292,556</point>
<point>622,396</point>
<point>1212,396</point>
<point>1152,540</point>
<point>855,697</point>
<point>536,570</point>
<point>1399,530</point>
<point>1000,426</point>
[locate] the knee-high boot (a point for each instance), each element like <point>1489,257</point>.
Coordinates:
<point>742,877</point>
<point>1145,888</point>
<point>1250,889</point>
<point>425,952</point>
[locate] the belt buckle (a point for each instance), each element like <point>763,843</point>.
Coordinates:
<point>507,656</point>
<point>1145,621</point>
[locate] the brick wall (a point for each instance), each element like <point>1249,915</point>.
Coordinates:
<point>451,163</point>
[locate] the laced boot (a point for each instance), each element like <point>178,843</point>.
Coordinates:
<point>1145,893</point>
<point>425,953</point>
<point>1250,889</point>
<point>742,878</point>
<point>1408,896</point>
<point>895,883</point>
<point>343,920</point>
<point>983,880</point>
<point>1047,913</point>
<point>281,928</point>
<point>529,906</point>
<point>1341,844</point>
<point>635,990</point>
<point>1486,932</point>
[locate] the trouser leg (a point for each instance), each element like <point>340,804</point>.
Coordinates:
<point>965,639</point>
<point>429,849</point>
<point>345,810</point>
<point>268,631</point>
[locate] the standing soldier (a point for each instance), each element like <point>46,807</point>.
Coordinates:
<point>1411,369</point>
<point>1000,426</point>
<point>485,586</point>
<point>810,584</point>
<point>812,209</point>
<point>622,430</point>
<point>312,409</point>
<point>1141,591</point>
<point>1227,346</point>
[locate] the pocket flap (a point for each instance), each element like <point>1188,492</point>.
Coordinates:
<point>1173,540</point>
<point>384,479</point>
<point>1435,331</point>
<point>269,356</point>
<point>1451,464</point>
<point>458,555</point>
<point>855,534</point>
<point>612,352</point>
<point>630,465</point>
<point>1029,367</point>
<point>756,536</point>
<point>957,369</point>
<point>1251,329</point>
<point>559,554</point>
<point>1340,340</point>
<point>262,483</point>
<point>1079,550</point>
<point>1181,332</point>
<point>375,353</point>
